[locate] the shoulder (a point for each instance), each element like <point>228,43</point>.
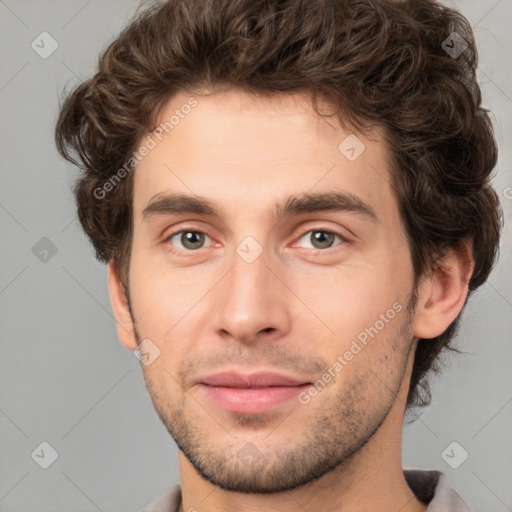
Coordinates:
<point>433,488</point>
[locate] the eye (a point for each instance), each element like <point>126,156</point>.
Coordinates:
<point>321,238</point>
<point>190,239</point>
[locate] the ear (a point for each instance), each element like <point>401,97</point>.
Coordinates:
<point>125,327</point>
<point>442,294</point>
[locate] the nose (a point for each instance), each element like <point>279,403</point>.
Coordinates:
<point>253,303</point>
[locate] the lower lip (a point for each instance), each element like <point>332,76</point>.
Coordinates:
<point>251,401</point>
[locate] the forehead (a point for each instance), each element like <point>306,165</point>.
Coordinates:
<point>251,150</point>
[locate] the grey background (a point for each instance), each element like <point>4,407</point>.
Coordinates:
<point>65,378</point>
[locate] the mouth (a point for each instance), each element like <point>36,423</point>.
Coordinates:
<point>253,400</point>
<point>251,394</point>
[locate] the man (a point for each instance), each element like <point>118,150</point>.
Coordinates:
<point>293,198</point>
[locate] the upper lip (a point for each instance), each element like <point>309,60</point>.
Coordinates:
<point>259,379</point>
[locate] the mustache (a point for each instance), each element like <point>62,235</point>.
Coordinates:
<point>251,358</point>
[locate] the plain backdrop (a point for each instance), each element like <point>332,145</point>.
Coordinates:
<point>67,382</point>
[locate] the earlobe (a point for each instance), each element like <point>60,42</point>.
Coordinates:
<point>442,295</point>
<point>125,327</point>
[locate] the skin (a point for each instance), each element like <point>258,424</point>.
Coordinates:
<point>294,309</point>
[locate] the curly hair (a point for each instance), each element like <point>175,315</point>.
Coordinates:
<point>379,62</point>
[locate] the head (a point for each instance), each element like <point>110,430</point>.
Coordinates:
<point>248,105</point>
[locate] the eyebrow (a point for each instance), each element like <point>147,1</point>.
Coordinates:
<point>294,205</point>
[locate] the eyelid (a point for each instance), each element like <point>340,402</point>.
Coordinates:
<point>302,232</point>
<point>183,252</point>
<point>308,229</point>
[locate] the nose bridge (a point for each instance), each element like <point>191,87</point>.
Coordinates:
<point>250,301</point>
<point>249,283</point>
<point>249,279</point>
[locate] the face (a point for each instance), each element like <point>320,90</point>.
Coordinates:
<point>264,278</point>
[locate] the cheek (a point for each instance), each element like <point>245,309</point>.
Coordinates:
<point>153,300</point>
<point>166,300</point>
<point>348,299</point>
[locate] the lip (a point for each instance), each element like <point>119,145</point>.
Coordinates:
<point>263,379</point>
<point>250,393</point>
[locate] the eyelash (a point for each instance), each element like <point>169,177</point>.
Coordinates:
<point>187,253</point>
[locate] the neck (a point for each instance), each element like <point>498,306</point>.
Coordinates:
<point>352,487</point>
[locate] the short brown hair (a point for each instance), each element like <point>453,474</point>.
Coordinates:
<point>380,62</point>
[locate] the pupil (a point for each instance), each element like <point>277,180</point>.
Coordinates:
<point>189,239</point>
<point>319,235</point>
